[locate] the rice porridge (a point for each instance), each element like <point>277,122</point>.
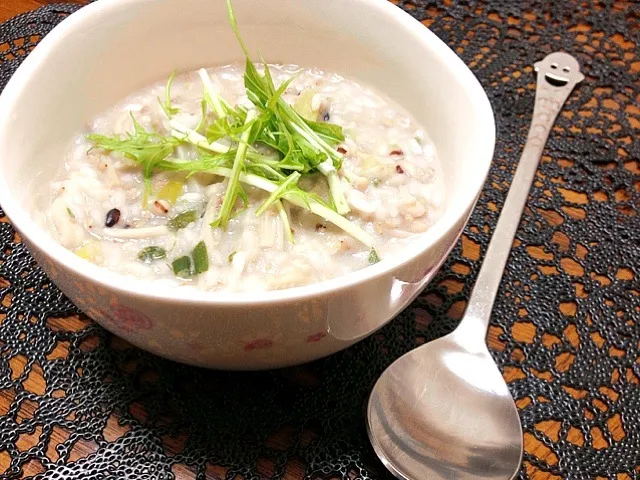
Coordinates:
<point>210,183</point>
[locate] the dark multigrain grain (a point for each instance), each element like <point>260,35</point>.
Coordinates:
<point>161,207</point>
<point>113,217</point>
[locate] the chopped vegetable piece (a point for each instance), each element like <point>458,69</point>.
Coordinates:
<point>71,214</point>
<point>230,257</point>
<point>182,220</point>
<point>89,251</point>
<point>303,106</point>
<point>373,257</point>
<point>200,258</point>
<point>170,192</point>
<point>113,217</point>
<point>182,267</point>
<point>152,253</point>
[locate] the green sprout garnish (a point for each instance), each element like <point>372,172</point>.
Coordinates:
<point>228,140</point>
<point>166,105</point>
<point>148,149</point>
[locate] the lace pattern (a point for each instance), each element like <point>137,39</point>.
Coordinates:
<point>79,403</point>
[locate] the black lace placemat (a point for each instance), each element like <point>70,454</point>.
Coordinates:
<point>78,403</point>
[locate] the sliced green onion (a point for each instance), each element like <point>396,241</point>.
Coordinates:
<point>152,253</point>
<point>182,267</point>
<point>200,258</point>
<point>182,220</point>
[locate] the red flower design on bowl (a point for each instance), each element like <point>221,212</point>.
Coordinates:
<point>258,344</point>
<point>128,319</point>
<point>316,337</point>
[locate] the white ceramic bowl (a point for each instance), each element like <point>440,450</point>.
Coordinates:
<point>111,48</point>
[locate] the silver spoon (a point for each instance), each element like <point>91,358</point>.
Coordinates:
<point>443,410</point>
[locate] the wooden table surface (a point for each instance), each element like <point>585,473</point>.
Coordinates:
<point>10,8</point>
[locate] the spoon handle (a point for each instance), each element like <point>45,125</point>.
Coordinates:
<point>557,75</point>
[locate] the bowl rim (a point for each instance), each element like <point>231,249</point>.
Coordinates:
<point>110,280</point>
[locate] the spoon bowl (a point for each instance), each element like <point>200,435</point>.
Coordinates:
<point>455,417</point>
